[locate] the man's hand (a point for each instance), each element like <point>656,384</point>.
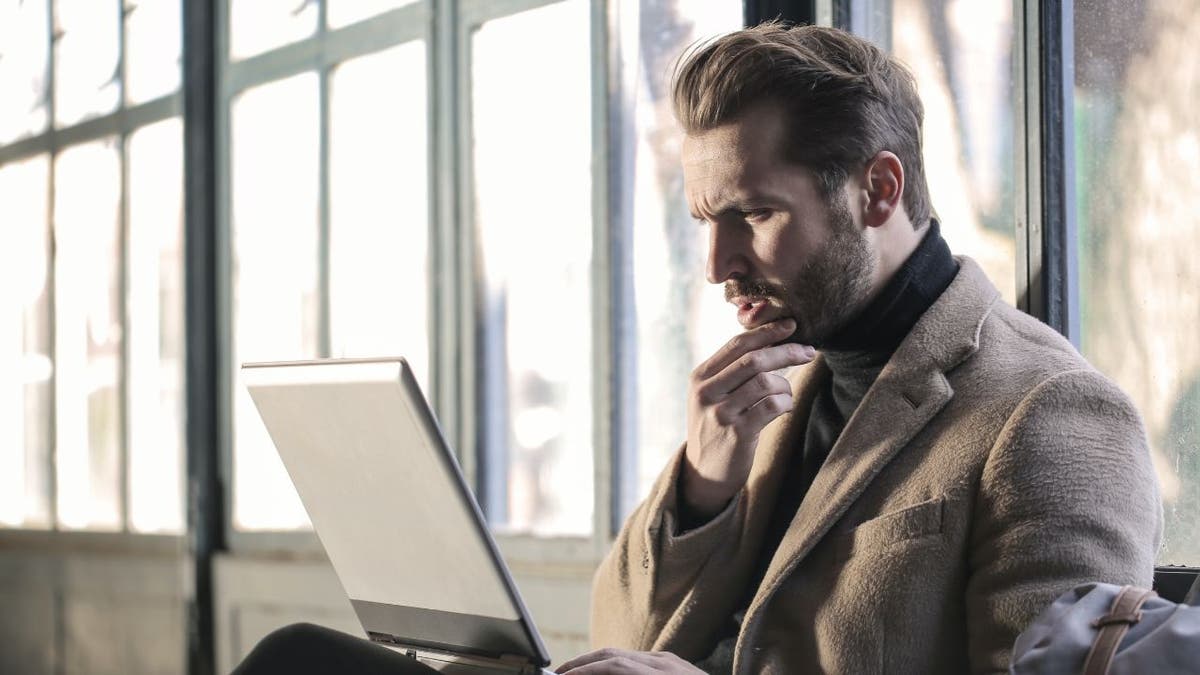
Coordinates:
<point>621,661</point>
<point>731,397</point>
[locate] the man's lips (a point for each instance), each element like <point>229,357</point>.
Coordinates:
<point>752,311</point>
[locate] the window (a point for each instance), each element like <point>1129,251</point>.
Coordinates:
<point>328,214</point>
<point>25,346</point>
<point>92,304</point>
<point>1137,149</point>
<point>533,221</point>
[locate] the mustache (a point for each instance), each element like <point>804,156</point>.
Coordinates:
<point>753,288</point>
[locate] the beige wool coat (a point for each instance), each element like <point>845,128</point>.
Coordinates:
<point>987,470</point>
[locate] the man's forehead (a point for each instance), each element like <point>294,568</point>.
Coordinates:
<point>750,145</point>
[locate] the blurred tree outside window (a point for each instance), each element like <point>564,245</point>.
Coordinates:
<point>1137,144</point>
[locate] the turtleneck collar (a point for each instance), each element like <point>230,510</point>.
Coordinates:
<point>883,324</point>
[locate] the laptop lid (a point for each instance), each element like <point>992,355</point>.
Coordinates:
<point>390,506</point>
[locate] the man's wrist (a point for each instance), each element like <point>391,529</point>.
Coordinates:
<point>700,500</point>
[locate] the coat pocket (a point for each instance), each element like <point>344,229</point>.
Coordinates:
<point>889,529</point>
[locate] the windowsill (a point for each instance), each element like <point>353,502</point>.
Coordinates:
<point>104,543</point>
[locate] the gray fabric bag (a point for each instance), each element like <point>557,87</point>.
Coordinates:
<point>1102,629</point>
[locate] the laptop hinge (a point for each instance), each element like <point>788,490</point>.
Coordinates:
<point>514,663</point>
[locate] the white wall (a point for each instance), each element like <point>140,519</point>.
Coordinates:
<point>91,613</point>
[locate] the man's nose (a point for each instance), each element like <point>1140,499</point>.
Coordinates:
<point>725,259</point>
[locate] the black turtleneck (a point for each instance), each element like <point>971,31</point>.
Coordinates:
<point>886,320</point>
<point>855,355</point>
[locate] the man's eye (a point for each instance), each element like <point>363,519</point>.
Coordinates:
<point>756,215</point>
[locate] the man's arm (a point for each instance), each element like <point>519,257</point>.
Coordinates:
<point>654,565</point>
<point>1068,495</point>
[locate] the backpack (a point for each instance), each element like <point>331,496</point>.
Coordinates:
<point>1102,629</point>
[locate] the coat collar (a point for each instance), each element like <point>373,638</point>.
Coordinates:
<point>910,391</point>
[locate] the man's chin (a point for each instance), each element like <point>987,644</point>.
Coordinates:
<point>806,335</point>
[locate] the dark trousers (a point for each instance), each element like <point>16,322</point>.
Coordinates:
<point>305,649</point>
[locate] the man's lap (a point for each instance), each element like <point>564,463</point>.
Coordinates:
<point>306,648</point>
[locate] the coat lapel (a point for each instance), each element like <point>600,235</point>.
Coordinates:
<point>910,391</point>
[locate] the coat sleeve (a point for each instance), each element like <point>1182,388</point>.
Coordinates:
<point>1068,495</point>
<point>649,577</point>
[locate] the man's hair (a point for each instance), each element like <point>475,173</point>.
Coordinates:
<point>844,100</point>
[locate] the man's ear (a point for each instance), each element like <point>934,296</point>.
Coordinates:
<point>884,182</point>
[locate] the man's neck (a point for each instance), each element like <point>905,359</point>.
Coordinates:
<point>883,324</point>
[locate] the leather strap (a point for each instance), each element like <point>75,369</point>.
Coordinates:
<point>1125,611</point>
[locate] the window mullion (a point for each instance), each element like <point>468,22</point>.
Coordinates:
<point>446,243</point>
<point>123,386</point>
<point>1026,138</point>
<point>1058,279</point>
<point>324,328</point>
<point>206,324</point>
<point>52,278</point>
<point>123,233</point>
<point>619,45</point>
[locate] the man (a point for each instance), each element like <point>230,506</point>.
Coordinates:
<point>910,500</point>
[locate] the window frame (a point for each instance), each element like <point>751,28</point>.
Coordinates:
<point>320,53</point>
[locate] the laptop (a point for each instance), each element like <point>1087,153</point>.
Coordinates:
<point>398,522</point>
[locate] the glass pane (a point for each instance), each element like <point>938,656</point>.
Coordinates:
<point>960,52</point>
<point>1137,171</point>
<point>154,298</point>
<point>343,12</point>
<point>25,391</point>
<point>256,26</point>
<point>24,54</point>
<point>86,77</point>
<point>88,335</point>
<point>681,319</point>
<point>533,216</point>
<point>379,217</point>
<point>153,35</point>
<point>275,286</point>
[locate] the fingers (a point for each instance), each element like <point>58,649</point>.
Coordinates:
<point>584,659</point>
<point>611,660</point>
<point>748,394</point>
<point>747,366</point>
<point>761,413</point>
<point>744,343</point>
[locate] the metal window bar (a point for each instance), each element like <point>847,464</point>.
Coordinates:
<point>1054,276</point>
<point>621,103</point>
<point>205,307</point>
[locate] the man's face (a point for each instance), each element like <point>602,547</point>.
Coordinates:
<point>780,248</point>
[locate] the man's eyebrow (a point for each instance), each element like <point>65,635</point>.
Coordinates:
<point>736,207</point>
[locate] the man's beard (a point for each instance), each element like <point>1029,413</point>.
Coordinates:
<point>828,291</point>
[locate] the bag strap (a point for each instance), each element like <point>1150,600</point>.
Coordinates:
<point>1125,611</point>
